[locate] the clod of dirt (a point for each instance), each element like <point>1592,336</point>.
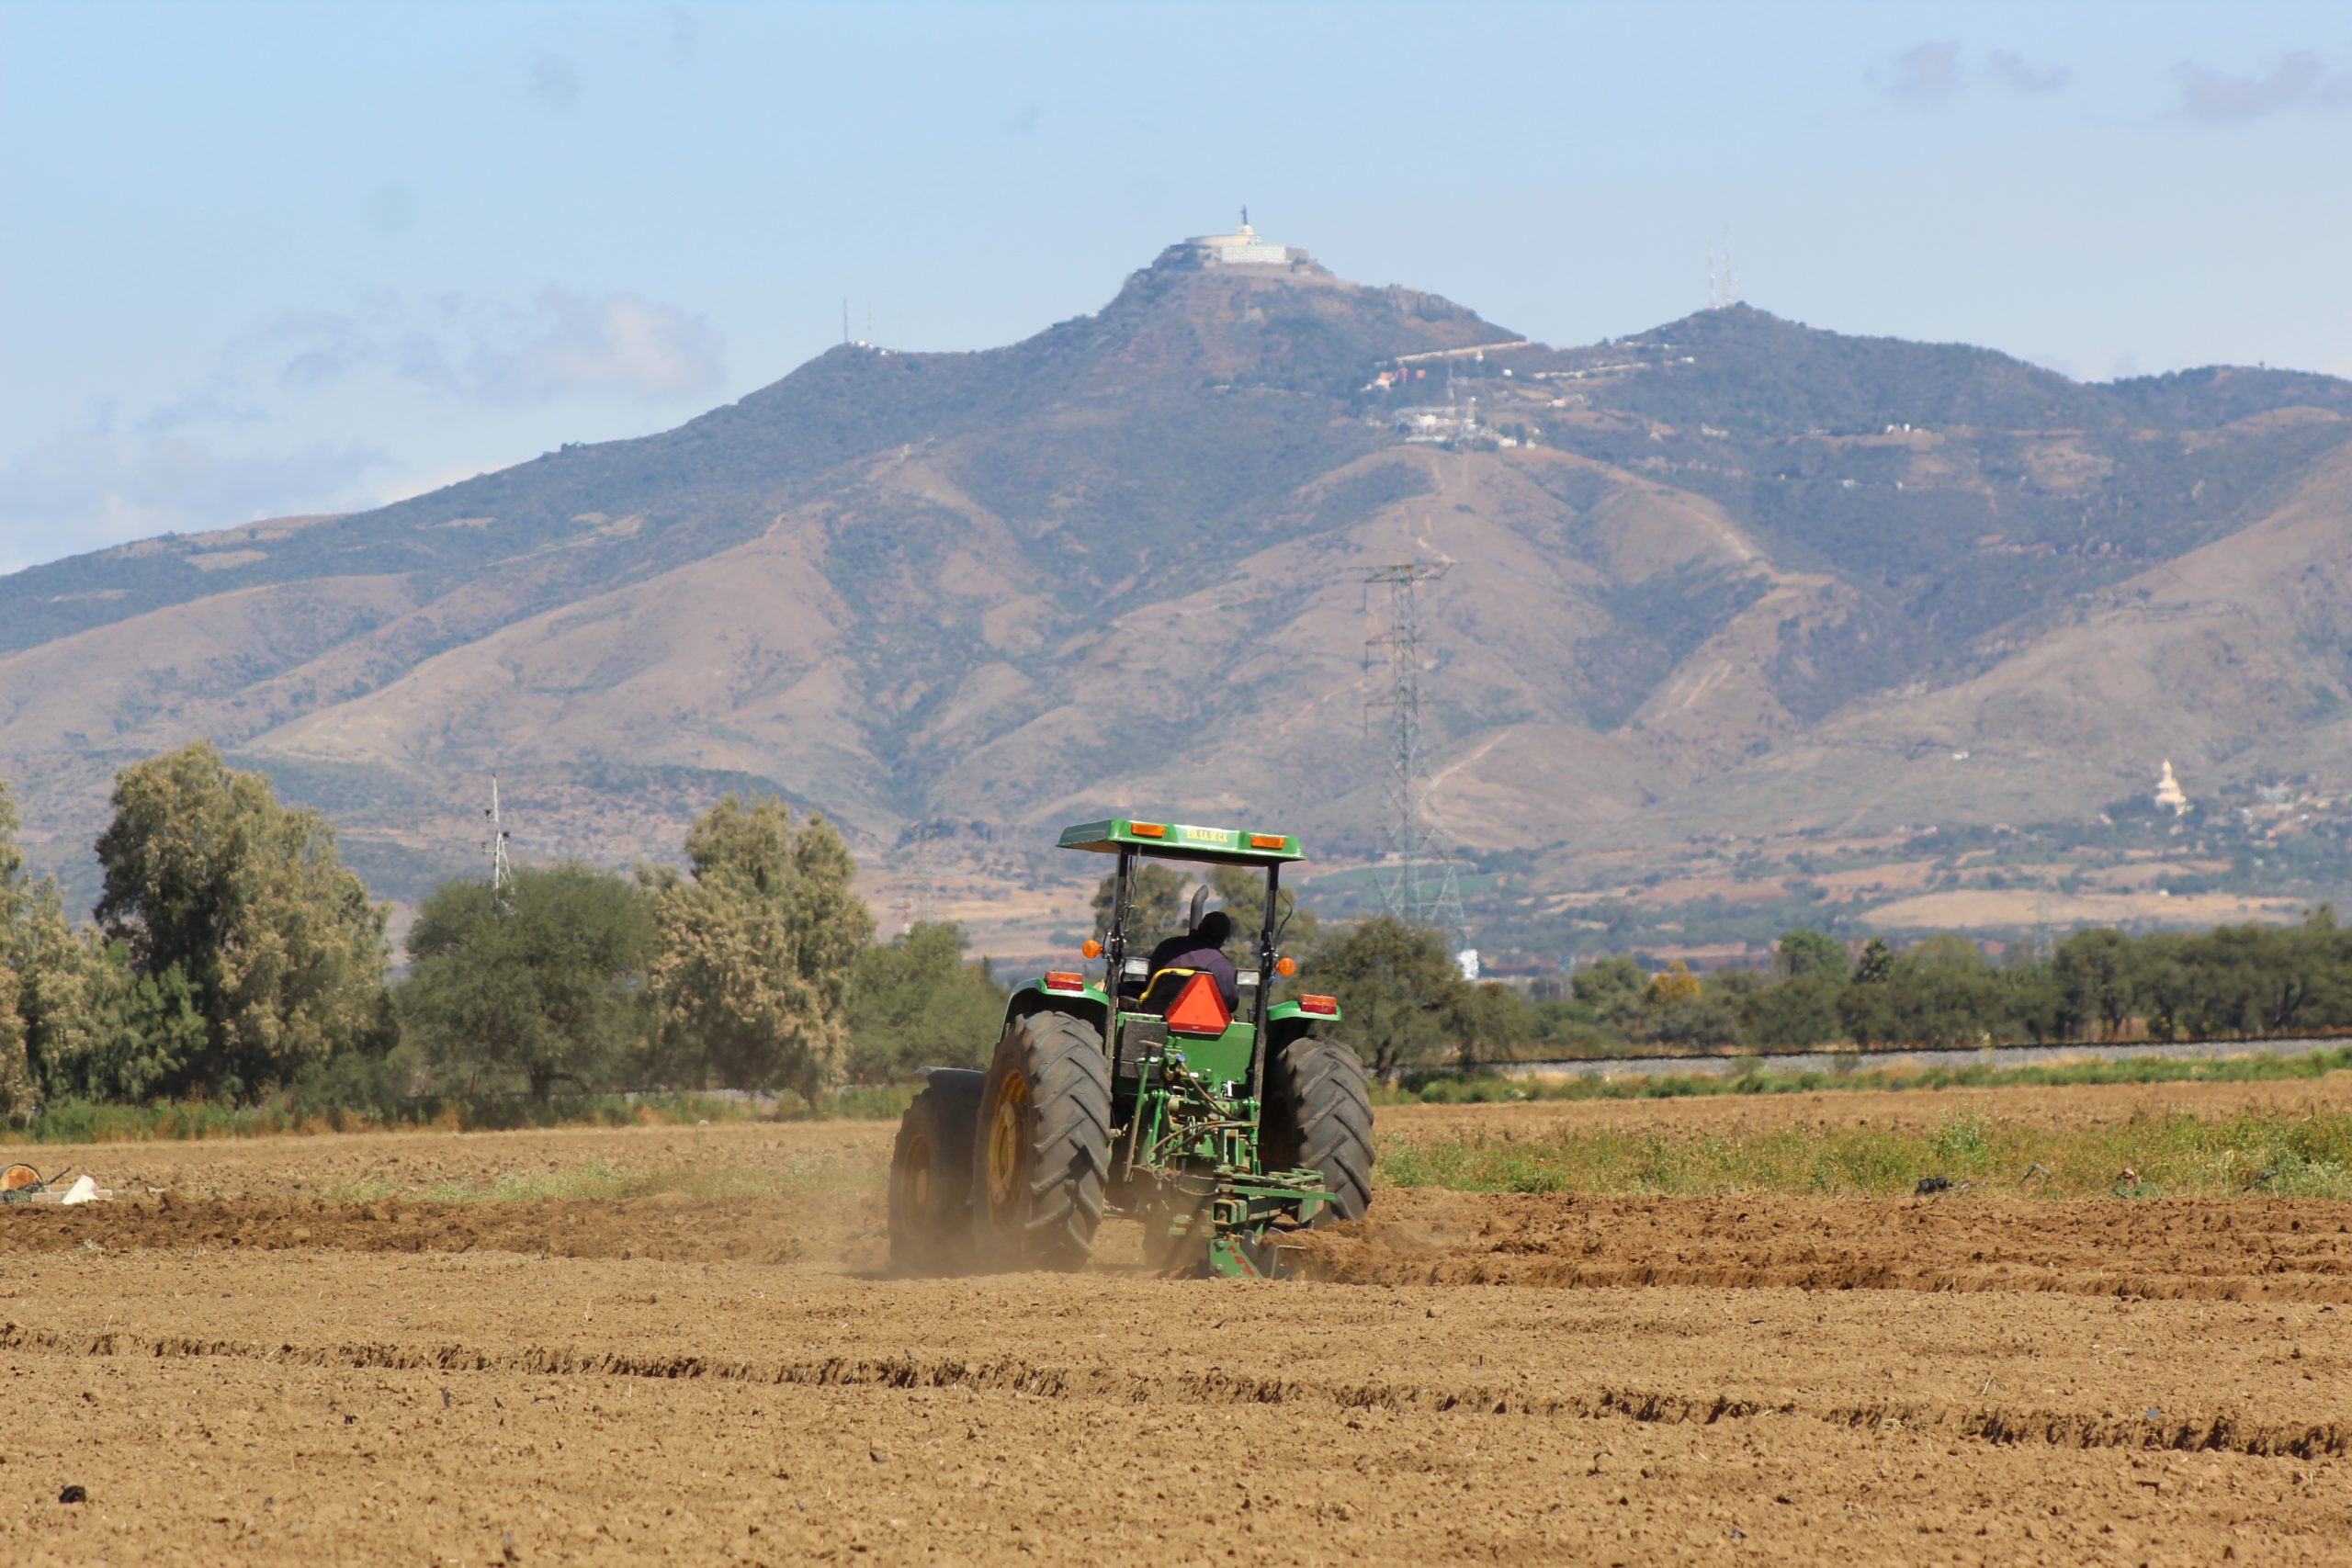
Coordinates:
<point>74,1494</point>
<point>1929,1185</point>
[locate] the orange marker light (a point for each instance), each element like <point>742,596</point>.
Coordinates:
<point>1064,980</point>
<point>1268,842</point>
<point>1090,948</point>
<point>1149,829</point>
<point>1286,966</point>
<point>1327,1007</point>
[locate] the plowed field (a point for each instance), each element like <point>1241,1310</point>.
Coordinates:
<point>285,1350</point>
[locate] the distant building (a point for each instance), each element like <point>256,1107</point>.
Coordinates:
<point>1241,248</point>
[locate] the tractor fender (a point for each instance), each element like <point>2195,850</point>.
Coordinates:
<point>1032,997</point>
<point>1285,1022</point>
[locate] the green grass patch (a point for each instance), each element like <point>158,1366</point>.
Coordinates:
<point>89,1121</point>
<point>1760,1078</point>
<point>2174,1155</point>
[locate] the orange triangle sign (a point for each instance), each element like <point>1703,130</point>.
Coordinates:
<point>1199,1008</point>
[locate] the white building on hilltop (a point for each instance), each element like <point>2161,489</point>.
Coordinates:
<point>1242,248</point>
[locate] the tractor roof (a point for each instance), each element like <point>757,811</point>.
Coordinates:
<point>1176,841</point>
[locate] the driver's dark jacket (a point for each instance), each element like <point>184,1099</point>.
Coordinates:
<point>1186,952</point>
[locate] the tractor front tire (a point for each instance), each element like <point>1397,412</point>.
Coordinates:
<point>1041,1160</point>
<point>930,1176</point>
<point>1318,1117</point>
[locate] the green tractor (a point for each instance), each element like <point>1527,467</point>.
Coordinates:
<point>1218,1122</point>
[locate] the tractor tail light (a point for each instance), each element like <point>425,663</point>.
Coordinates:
<point>1149,829</point>
<point>1268,842</point>
<point>1323,1007</point>
<point>1064,980</point>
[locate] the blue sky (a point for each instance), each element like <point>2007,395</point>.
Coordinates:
<point>264,259</point>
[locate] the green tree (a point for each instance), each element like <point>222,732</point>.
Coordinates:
<point>914,1002</point>
<point>1812,953</point>
<point>2097,974</point>
<point>1399,991</point>
<point>534,986</point>
<point>17,1083</point>
<point>1155,905</point>
<point>1800,1010</point>
<point>207,875</point>
<point>1612,988</point>
<point>754,953</point>
<point>1495,1023</point>
<point>1877,966</point>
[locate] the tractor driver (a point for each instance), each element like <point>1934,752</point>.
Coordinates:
<point>1203,948</point>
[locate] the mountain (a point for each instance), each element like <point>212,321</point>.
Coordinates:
<point>1733,578</point>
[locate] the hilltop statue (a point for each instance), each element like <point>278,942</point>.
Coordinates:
<point>2169,793</point>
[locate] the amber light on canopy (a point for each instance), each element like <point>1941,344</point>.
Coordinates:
<point>1267,841</point>
<point>1149,829</point>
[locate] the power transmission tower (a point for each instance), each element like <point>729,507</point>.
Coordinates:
<point>501,874</point>
<point>1412,889</point>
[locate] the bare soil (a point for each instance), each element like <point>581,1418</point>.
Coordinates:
<point>264,1375</point>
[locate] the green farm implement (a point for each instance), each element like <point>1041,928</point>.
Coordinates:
<point>1219,1121</point>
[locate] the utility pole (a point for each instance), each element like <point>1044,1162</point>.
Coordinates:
<point>1411,888</point>
<point>501,874</point>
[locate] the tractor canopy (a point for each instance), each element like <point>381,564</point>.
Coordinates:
<point>1179,840</point>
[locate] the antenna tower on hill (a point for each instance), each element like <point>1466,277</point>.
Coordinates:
<point>1412,889</point>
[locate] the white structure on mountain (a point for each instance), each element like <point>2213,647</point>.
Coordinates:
<point>2168,792</point>
<point>1242,248</point>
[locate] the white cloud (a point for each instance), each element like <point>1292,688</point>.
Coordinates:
<point>94,486</point>
<point>561,345</point>
<point>554,81</point>
<point>2295,80</point>
<point>1939,73</point>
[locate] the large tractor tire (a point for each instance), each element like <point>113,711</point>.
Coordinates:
<point>1042,1158</point>
<point>930,1176</point>
<point>1318,1117</point>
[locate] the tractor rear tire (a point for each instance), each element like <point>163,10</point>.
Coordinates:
<point>930,1176</point>
<point>1041,1158</point>
<point>1318,1117</point>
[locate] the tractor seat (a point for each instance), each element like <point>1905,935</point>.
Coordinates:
<point>1189,999</point>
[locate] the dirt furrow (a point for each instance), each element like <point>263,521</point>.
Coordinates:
<point>2222,1432</point>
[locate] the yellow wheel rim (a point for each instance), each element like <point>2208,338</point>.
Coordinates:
<point>916,1175</point>
<point>1008,1142</point>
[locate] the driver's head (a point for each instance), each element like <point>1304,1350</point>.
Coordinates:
<point>1215,929</point>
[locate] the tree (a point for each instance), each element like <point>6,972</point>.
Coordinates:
<point>2096,975</point>
<point>753,955</point>
<point>1811,954</point>
<point>1400,994</point>
<point>1155,904</point>
<point>914,1002</point>
<point>276,944</point>
<point>1612,988</point>
<point>1877,966</point>
<point>1800,1010</point>
<point>15,1066</point>
<point>1242,891</point>
<point>532,986</point>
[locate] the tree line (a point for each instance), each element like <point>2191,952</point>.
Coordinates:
<point>2243,981</point>
<point>232,955</point>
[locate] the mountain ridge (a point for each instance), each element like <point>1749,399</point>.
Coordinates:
<point>1691,569</point>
